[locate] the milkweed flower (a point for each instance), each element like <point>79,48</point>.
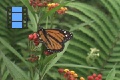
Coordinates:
<point>82,78</point>
<point>39,3</point>
<point>30,37</point>
<point>52,5</point>
<point>68,75</point>
<point>75,75</point>
<point>72,75</point>
<point>47,53</point>
<point>90,78</point>
<point>60,70</point>
<point>72,72</point>
<point>62,10</point>
<point>59,11</point>
<point>99,76</point>
<point>66,70</point>
<point>33,37</point>
<point>33,58</point>
<point>95,77</point>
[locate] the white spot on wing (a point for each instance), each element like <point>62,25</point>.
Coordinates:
<point>66,35</point>
<point>64,31</point>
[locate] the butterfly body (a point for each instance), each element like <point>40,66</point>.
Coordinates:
<point>54,39</point>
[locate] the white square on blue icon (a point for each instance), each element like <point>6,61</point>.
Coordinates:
<point>16,24</point>
<point>16,16</point>
<point>16,9</point>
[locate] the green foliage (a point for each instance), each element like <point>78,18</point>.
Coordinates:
<point>11,41</point>
<point>14,70</point>
<point>102,33</point>
<point>111,74</point>
<point>91,27</point>
<point>51,61</point>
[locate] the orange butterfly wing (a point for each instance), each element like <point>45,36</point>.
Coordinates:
<point>54,39</point>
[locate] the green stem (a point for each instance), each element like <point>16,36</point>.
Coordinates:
<point>46,23</point>
<point>41,13</point>
<point>60,77</point>
<point>45,67</point>
<point>31,73</point>
<point>52,18</point>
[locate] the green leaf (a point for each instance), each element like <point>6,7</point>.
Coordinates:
<point>36,76</point>
<point>53,61</point>
<point>81,25</point>
<point>7,45</point>
<point>14,70</point>
<point>74,65</point>
<point>6,73</point>
<point>48,59</point>
<point>111,74</point>
<point>33,21</point>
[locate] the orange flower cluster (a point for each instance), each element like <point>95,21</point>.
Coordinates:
<point>69,75</point>
<point>46,3</point>
<point>33,58</point>
<point>34,37</point>
<point>39,3</point>
<point>82,78</point>
<point>62,10</point>
<point>53,5</point>
<point>95,77</point>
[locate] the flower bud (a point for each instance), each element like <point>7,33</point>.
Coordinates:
<point>30,37</point>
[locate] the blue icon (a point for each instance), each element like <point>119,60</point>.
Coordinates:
<point>16,24</point>
<point>16,9</point>
<point>15,17</point>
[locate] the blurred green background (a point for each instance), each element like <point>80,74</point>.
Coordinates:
<point>94,24</point>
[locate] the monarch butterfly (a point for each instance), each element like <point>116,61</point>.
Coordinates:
<point>54,39</point>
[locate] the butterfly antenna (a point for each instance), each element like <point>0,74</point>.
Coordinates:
<point>38,28</point>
